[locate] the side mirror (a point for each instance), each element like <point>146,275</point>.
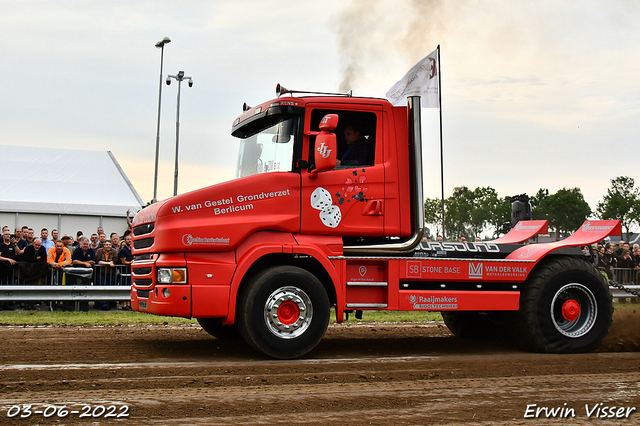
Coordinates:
<point>325,152</point>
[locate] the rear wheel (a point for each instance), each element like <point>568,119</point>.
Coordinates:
<point>565,307</point>
<point>214,327</point>
<point>283,312</point>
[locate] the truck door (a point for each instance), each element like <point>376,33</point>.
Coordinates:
<point>348,200</point>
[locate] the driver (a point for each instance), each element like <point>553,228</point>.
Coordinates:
<point>359,151</point>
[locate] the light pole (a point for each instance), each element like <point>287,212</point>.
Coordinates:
<point>179,78</point>
<point>159,45</point>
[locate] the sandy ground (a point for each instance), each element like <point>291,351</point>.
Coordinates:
<point>369,373</point>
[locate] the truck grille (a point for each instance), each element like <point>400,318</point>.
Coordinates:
<point>143,243</point>
<point>143,281</point>
<point>143,229</point>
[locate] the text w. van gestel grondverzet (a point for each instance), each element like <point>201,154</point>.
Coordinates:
<point>228,205</point>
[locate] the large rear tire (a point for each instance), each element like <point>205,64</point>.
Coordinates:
<point>283,312</point>
<point>214,327</point>
<point>565,307</point>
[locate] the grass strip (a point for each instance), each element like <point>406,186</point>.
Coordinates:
<point>34,318</point>
<point>86,318</point>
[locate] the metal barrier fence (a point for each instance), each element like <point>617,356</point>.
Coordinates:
<point>630,278</point>
<point>38,282</point>
<point>25,282</point>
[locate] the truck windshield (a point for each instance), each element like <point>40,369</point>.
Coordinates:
<point>270,150</point>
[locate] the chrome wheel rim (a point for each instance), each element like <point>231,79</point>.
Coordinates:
<point>574,310</point>
<point>288,312</point>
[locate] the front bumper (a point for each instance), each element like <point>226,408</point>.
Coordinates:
<point>147,295</point>
<point>169,300</point>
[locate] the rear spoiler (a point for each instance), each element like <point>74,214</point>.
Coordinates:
<point>589,233</point>
<point>523,231</point>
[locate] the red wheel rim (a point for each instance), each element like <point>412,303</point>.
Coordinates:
<point>288,312</point>
<point>570,310</point>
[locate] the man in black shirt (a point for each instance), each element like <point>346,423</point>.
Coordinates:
<point>33,265</point>
<point>7,257</point>
<point>7,262</point>
<point>35,253</point>
<point>83,255</point>
<point>22,244</point>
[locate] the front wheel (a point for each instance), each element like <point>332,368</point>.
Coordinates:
<point>565,307</point>
<point>283,312</point>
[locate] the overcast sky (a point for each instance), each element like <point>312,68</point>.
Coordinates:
<point>541,94</point>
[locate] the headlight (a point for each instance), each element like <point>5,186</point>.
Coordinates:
<point>172,275</point>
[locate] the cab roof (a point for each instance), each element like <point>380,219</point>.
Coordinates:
<point>295,105</point>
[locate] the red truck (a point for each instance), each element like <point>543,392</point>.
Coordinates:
<point>312,223</point>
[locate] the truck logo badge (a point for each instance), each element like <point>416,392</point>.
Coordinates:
<point>521,227</point>
<point>324,150</point>
<point>461,247</point>
<point>530,251</point>
<point>329,215</point>
<point>475,270</point>
<point>141,218</point>
<point>437,303</point>
<point>188,240</point>
<point>588,227</point>
<point>363,271</point>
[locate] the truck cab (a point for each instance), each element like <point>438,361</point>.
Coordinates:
<point>358,198</point>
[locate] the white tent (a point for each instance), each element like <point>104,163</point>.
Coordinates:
<point>49,187</point>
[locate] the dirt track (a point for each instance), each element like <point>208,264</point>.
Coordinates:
<point>359,374</point>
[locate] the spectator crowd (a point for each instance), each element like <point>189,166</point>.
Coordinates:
<point>27,259</point>
<point>610,257</point>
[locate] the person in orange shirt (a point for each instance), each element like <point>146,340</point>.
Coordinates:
<point>58,257</point>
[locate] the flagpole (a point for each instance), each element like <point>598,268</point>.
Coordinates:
<point>441,150</point>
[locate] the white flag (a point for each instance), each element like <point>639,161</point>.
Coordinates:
<point>421,80</point>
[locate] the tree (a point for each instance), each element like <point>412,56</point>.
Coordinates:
<point>538,205</point>
<point>567,210</point>
<point>485,201</point>
<point>500,217</point>
<point>468,213</point>
<point>621,202</point>
<point>458,208</point>
<point>433,213</point>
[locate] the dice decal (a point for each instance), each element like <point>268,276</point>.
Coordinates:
<point>329,215</point>
<point>320,199</point>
